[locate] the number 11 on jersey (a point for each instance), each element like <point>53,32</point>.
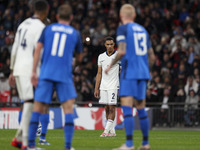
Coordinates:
<point>61,45</point>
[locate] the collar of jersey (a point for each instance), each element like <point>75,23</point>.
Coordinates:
<point>111,54</point>
<point>34,17</point>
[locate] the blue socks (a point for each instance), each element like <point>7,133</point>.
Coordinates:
<point>33,129</point>
<point>20,116</point>
<point>68,130</point>
<point>128,124</point>
<point>144,125</point>
<point>44,119</point>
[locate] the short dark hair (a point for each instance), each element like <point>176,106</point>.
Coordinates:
<point>40,5</point>
<point>109,38</point>
<point>65,12</point>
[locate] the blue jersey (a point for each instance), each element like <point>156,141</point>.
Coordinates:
<point>135,62</point>
<point>59,42</point>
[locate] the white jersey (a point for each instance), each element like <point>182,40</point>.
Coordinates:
<point>26,38</point>
<point>111,80</point>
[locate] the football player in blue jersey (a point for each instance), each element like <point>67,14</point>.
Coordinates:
<point>134,50</point>
<point>58,40</point>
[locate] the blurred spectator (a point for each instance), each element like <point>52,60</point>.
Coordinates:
<point>180,75</point>
<point>191,55</point>
<point>164,100</point>
<point>191,106</point>
<point>154,91</point>
<point>180,97</point>
<point>191,84</point>
<point>4,85</point>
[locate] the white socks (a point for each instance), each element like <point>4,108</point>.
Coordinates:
<point>26,116</point>
<point>109,126</point>
<point>113,128</point>
<point>19,133</point>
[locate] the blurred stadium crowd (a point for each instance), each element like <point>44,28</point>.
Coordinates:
<point>174,28</point>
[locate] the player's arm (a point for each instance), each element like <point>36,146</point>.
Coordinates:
<point>36,58</point>
<point>121,41</point>
<point>98,82</point>
<point>152,57</point>
<point>78,49</point>
<point>121,52</point>
<point>78,59</point>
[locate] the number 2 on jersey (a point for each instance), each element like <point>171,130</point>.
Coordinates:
<point>61,45</point>
<point>113,95</point>
<point>140,43</point>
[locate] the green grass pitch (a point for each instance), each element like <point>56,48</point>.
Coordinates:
<point>90,140</point>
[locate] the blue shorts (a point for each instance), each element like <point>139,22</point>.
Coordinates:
<point>44,91</point>
<point>134,88</point>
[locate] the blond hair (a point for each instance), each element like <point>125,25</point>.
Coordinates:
<point>127,11</point>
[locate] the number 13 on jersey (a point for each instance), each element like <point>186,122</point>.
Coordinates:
<point>140,41</point>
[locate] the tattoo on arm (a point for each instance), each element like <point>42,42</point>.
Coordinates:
<point>121,52</point>
<point>122,46</point>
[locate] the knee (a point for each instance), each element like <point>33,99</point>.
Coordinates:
<point>140,104</point>
<point>112,110</point>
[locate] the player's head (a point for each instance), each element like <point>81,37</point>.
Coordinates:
<point>41,8</point>
<point>109,44</point>
<point>65,13</point>
<point>127,13</point>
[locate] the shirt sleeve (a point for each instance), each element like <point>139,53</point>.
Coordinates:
<point>121,34</point>
<point>14,49</point>
<point>99,61</point>
<point>79,45</point>
<point>41,39</point>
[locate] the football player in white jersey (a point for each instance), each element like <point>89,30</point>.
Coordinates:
<point>26,39</point>
<point>107,85</point>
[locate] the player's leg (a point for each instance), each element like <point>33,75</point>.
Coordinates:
<point>127,91</point>
<point>69,122</point>
<point>109,121</point>
<point>66,94</point>
<point>17,140</point>
<point>144,123</point>
<point>107,111</point>
<point>143,118</point>
<point>27,96</point>
<point>103,100</point>
<point>26,115</point>
<point>25,91</point>
<point>44,119</point>
<point>37,110</point>
<point>112,117</point>
<point>112,94</point>
<point>43,95</point>
<point>20,112</point>
<point>126,104</point>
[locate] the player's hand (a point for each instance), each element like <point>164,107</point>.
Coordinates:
<point>11,80</point>
<point>106,71</point>
<point>96,93</point>
<point>34,79</point>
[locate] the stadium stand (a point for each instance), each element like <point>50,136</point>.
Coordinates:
<point>174,28</point>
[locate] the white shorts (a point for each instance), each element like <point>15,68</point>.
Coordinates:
<point>24,87</point>
<point>108,97</point>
